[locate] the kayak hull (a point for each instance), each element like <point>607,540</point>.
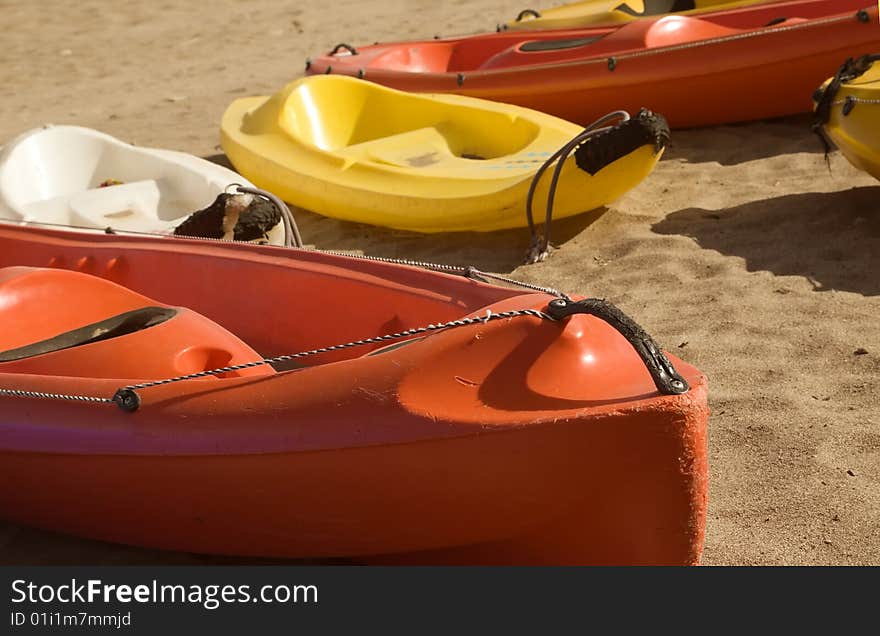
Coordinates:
<point>590,13</point>
<point>512,440</point>
<point>89,180</point>
<point>413,176</point>
<point>697,72</point>
<point>578,491</point>
<point>853,121</point>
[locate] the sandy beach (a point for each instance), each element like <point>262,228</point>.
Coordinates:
<point>744,253</point>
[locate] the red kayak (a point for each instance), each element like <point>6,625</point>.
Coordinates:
<point>737,65</point>
<point>259,401</point>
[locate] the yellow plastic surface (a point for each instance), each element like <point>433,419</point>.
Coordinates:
<point>357,151</point>
<point>858,133</point>
<point>599,12</point>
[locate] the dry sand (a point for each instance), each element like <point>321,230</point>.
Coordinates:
<point>742,253</point>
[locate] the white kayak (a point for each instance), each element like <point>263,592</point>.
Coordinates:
<point>86,179</point>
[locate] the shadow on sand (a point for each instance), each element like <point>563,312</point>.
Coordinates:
<point>738,143</point>
<point>500,251</point>
<point>832,239</point>
<point>220,160</point>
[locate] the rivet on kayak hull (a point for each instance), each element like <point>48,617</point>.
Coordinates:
<point>127,400</point>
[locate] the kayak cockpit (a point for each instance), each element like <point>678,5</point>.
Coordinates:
<point>635,36</point>
<point>59,322</point>
<point>80,177</point>
<point>364,121</point>
<point>277,301</point>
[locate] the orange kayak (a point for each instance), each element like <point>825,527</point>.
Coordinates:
<point>459,422</point>
<point>737,65</point>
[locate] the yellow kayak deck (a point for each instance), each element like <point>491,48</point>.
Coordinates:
<point>590,13</point>
<point>357,151</point>
<point>853,120</point>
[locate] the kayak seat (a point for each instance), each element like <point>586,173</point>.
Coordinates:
<point>60,322</point>
<point>360,124</point>
<point>113,327</point>
<point>433,57</point>
<point>124,206</point>
<point>667,31</point>
<point>543,52</point>
<point>413,148</point>
<point>783,21</point>
<point>634,36</point>
<point>675,29</point>
<point>557,45</point>
<point>74,176</point>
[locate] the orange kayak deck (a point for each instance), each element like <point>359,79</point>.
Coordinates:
<point>737,65</point>
<point>518,440</point>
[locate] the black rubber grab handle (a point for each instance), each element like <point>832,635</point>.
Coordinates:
<point>526,12</point>
<point>666,378</point>
<point>342,46</point>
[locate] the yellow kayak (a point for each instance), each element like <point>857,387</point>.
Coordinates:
<point>601,12</point>
<point>357,151</point>
<point>848,112</point>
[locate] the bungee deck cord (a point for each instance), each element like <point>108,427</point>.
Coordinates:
<point>666,379</point>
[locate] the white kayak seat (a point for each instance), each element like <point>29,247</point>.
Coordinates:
<point>84,178</point>
<point>128,206</point>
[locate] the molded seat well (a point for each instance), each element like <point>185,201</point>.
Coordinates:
<point>61,322</point>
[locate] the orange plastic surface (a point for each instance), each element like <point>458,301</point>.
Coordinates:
<point>737,65</point>
<point>37,304</point>
<point>512,441</point>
